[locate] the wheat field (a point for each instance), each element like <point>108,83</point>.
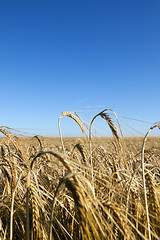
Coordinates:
<point>80,188</point>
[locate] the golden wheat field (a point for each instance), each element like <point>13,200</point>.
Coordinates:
<point>80,188</point>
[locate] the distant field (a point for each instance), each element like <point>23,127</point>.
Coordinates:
<point>132,144</point>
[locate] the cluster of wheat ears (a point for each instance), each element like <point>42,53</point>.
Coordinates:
<point>87,192</point>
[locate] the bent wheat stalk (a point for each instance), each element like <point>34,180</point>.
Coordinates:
<point>69,175</point>
<point>60,156</point>
<point>75,118</point>
<point>143,176</point>
<point>114,132</point>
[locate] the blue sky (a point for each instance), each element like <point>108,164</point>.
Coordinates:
<point>79,56</point>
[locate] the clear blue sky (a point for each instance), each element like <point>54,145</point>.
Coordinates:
<point>68,55</point>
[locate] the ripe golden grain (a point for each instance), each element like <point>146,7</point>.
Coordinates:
<point>45,194</point>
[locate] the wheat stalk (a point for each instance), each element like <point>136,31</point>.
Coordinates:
<point>75,118</point>
<point>143,176</point>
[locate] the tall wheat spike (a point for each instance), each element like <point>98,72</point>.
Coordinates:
<point>35,218</point>
<point>89,220</point>
<point>153,203</point>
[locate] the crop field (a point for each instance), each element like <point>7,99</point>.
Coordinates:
<point>80,188</point>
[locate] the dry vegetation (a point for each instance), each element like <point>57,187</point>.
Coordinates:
<point>80,188</point>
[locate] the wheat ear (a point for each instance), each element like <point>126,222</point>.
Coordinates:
<point>35,228</point>
<point>12,208</point>
<point>82,151</point>
<point>153,203</point>
<point>14,142</point>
